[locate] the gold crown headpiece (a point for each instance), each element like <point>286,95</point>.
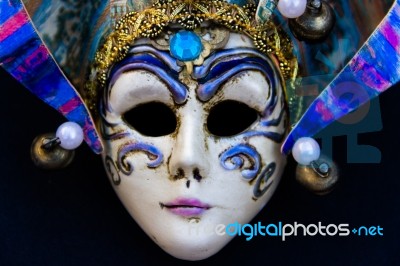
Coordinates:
<point>190,15</point>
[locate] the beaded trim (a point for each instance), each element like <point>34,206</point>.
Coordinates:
<point>189,14</point>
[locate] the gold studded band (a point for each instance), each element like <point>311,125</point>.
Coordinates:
<point>189,14</point>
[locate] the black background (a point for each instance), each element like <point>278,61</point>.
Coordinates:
<point>73,217</point>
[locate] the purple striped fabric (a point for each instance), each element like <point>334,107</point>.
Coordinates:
<point>375,68</point>
<point>27,59</point>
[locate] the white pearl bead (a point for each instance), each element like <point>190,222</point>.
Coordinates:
<point>292,8</point>
<point>306,150</point>
<point>70,135</point>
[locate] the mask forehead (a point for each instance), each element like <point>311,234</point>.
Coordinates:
<point>209,77</point>
<point>234,66</point>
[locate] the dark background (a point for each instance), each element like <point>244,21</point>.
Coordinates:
<point>73,217</point>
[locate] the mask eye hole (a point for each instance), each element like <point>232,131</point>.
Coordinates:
<point>152,119</point>
<point>229,118</point>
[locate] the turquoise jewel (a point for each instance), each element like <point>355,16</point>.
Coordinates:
<point>185,46</point>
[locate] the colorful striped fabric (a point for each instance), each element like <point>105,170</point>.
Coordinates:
<point>24,55</point>
<point>375,68</point>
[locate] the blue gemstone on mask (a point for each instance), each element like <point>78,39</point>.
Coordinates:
<point>185,46</point>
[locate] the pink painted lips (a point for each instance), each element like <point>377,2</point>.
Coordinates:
<point>186,207</point>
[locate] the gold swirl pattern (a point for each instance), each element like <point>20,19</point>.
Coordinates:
<point>190,15</point>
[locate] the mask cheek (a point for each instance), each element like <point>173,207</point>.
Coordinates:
<point>133,154</point>
<point>273,164</point>
<point>270,132</point>
<point>257,163</point>
<point>137,168</point>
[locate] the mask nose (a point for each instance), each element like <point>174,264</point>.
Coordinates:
<point>189,157</point>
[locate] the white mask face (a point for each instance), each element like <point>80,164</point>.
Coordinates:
<point>187,154</point>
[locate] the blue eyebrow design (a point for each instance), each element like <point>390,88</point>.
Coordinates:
<point>154,61</point>
<point>225,56</point>
<point>223,65</point>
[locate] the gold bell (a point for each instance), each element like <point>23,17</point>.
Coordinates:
<point>320,177</point>
<point>315,24</point>
<point>46,152</point>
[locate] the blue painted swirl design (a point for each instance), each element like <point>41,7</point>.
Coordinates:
<point>162,65</point>
<point>216,71</point>
<point>223,65</point>
<point>267,122</point>
<point>234,158</point>
<point>263,179</point>
<point>159,63</point>
<point>155,156</point>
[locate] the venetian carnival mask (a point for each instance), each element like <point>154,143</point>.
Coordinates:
<point>208,152</point>
<point>196,143</point>
<point>190,103</point>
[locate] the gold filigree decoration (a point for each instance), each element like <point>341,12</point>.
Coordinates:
<point>190,15</point>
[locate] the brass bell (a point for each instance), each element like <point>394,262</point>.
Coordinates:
<point>315,24</point>
<point>46,153</point>
<point>320,177</point>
